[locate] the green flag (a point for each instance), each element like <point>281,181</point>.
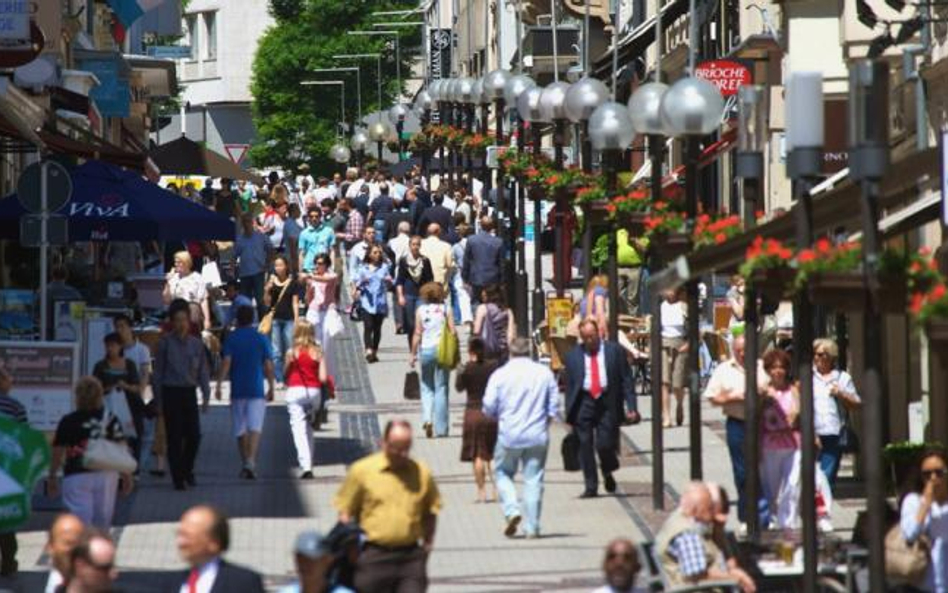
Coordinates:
<point>14,503</point>
<point>24,458</point>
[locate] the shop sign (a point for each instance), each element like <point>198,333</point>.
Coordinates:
<point>45,374</point>
<point>836,138</point>
<point>727,75</point>
<point>440,42</point>
<point>15,19</point>
<point>113,95</point>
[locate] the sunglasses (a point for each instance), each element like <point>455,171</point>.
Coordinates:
<point>929,473</point>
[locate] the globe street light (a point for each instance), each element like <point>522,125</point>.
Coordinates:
<point>379,132</point>
<point>359,142</point>
<point>528,106</point>
<point>397,114</point>
<point>339,153</point>
<point>553,107</point>
<point>514,87</point>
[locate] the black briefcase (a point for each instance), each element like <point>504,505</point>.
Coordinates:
<point>570,451</point>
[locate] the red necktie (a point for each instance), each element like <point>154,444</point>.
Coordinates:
<point>595,388</point>
<point>193,580</point>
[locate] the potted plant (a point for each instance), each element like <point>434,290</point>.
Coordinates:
<point>834,277</point>
<point>665,229</point>
<point>767,268</point>
<point>476,144</point>
<point>715,230</point>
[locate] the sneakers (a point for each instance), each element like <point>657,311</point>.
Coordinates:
<point>512,524</point>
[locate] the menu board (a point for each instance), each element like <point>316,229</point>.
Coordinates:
<point>43,377</point>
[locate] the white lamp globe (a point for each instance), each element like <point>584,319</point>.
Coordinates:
<point>610,127</point>
<point>495,82</point>
<point>691,107</point>
<point>582,98</point>
<point>398,113</point>
<point>339,153</point>
<point>423,101</point>
<point>359,140</point>
<point>528,105</point>
<point>553,101</point>
<point>380,131</point>
<point>645,108</point>
<point>515,86</point>
<point>465,90</point>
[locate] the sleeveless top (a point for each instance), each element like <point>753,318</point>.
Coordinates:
<point>303,371</point>
<point>776,431</point>
<point>587,306</point>
<point>432,323</point>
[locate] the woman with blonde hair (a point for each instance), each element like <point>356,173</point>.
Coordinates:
<point>183,282</point>
<point>595,302</point>
<point>431,319</point>
<point>306,376</point>
<point>89,494</point>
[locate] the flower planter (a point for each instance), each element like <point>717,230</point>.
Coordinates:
<point>671,245</point>
<point>634,222</point>
<point>597,213</point>
<point>774,284</point>
<point>846,291</point>
<point>937,332</point>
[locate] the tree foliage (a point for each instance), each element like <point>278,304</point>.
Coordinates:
<point>296,123</point>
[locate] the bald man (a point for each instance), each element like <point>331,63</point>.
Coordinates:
<point>63,536</point>
<point>203,537</point>
<point>91,564</point>
<point>396,502</point>
<point>439,253</point>
<point>686,547</point>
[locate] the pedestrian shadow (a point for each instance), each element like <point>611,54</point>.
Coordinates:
<point>337,450</point>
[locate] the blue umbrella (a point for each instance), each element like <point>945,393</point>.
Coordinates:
<point>111,204</point>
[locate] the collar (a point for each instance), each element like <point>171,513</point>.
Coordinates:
<point>212,564</point>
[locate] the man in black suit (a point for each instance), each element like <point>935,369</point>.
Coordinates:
<point>483,260</point>
<point>598,377</point>
<point>439,215</point>
<point>203,536</point>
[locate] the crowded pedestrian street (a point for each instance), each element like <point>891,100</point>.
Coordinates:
<point>315,296</point>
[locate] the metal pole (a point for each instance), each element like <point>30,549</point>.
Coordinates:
<point>556,56</point>
<point>693,327</point>
<point>586,147</point>
<point>521,288</point>
<point>378,62</point>
<point>656,146</point>
<point>612,164</point>
<point>359,92</point>
<point>539,299</point>
<point>559,232</point>
<point>44,249</point>
<point>586,30</point>
<point>398,68</point>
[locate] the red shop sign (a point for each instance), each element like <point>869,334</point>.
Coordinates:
<point>727,75</point>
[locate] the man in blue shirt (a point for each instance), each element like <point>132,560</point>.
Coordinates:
<point>247,359</point>
<point>524,398</point>
<point>253,253</point>
<point>318,238</point>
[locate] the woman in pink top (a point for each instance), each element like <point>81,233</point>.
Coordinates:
<point>321,288</point>
<point>779,435</point>
<point>306,375</point>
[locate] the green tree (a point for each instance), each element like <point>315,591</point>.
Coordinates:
<point>296,123</point>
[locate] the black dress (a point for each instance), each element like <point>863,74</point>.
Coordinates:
<point>479,435</point>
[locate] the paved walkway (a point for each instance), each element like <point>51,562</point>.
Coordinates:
<point>471,552</point>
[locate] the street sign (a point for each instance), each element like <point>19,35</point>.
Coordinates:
<point>58,187</point>
<point>14,19</point>
<point>170,52</point>
<point>57,232</point>
<point>236,152</point>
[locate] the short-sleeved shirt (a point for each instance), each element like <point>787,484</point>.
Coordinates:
<point>12,409</point>
<point>139,354</point>
<point>251,253</point>
<point>248,350</point>
<point>75,430</point>
<point>191,288</point>
<point>389,504</point>
<point>283,307</point>
<point>316,241</point>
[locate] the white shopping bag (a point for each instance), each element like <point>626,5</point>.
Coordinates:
<point>211,274</point>
<point>788,500</point>
<point>117,405</point>
<point>332,324</point>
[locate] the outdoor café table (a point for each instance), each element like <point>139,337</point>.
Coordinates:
<point>772,573</point>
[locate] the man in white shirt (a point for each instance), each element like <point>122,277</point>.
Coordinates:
<point>439,253</point>
<point>203,536</point>
<point>726,389</point>
<point>63,536</point>
<point>323,191</point>
<point>674,349</point>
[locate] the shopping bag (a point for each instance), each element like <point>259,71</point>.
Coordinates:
<point>569,449</point>
<point>211,274</point>
<point>412,390</point>
<point>449,350</point>
<point>117,405</point>
<point>105,455</point>
<point>332,323</point>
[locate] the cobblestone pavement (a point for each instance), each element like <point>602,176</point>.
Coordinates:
<point>471,553</point>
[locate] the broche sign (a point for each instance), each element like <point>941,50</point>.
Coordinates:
<point>727,75</point>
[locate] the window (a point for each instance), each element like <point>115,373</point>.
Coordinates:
<point>193,39</point>
<point>210,26</point>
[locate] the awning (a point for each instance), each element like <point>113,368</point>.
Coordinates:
<point>832,210</point>
<point>638,39</point>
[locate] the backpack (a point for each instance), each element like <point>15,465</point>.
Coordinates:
<point>494,343</point>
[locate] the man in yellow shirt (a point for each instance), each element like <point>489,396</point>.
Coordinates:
<point>439,253</point>
<point>631,257</point>
<point>395,501</point>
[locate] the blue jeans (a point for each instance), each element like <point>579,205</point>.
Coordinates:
<point>281,339</point>
<point>506,463</point>
<point>735,446</point>
<point>252,287</point>
<point>830,455</point>
<point>434,391</point>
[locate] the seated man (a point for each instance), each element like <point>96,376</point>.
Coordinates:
<point>685,544</point>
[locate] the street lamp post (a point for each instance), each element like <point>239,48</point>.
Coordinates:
<point>749,167</point>
<point>804,140</point>
<point>869,159</point>
<point>397,115</point>
<point>359,142</point>
<point>611,132</point>
<point>495,84</point>
<point>342,100</point>
<point>553,105</point>
<point>466,98</point>
<point>378,59</point>
<point>423,104</point>
<point>515,87</point>
<point>379,132</point>
<point>398,54</point>
<point>529,107</point>
<point>582,98</point>
<point>692,108</point>
<point>483,101</point>
<point>358,79</point>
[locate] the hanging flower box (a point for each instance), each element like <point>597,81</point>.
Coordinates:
<point>598,213</point>
<point>937,332</point>
<point>846,291</point>
<point>774,284</point>
<point>671,245</point>
<point>767,268</point>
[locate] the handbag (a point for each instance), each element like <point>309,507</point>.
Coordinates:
<point>266,322</point>
<point>412,389</point>
<point>101,454</point>
<point>569,449</point>
<point>905,563</point>
<point>449,350</point>
<point>356,311</point>
<point>848,439</point>
<point>332,323</point>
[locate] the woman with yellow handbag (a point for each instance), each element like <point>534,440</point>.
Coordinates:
<point>435,343</point>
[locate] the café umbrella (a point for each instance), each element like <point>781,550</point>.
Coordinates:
<point>111,204</point>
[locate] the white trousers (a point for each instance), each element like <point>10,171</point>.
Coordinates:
<point>301,404</point>
<point>775,469</point>
<point>91,497</point>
